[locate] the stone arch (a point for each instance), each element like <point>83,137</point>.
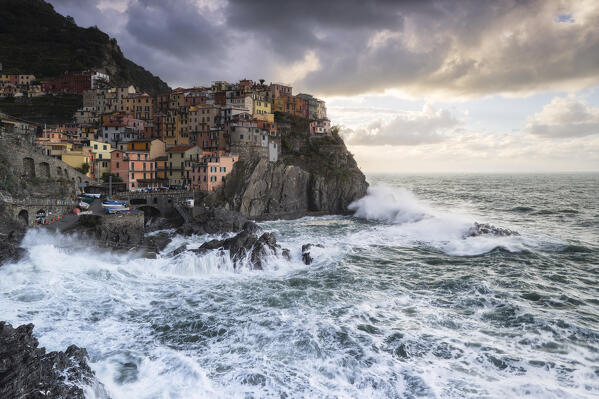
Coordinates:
<point>44,170</point>
<point>78,179</point>
<point>149,212</point>
<point>58,171</point>
<point>23,217</point>
<point>29,166</point>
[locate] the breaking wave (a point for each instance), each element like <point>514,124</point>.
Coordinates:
<point>412,220</point>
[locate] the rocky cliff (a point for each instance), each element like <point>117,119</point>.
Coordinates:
<point>313,176</point>
<point>27,371</point>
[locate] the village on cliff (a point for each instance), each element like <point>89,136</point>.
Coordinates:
<point>186,138</point>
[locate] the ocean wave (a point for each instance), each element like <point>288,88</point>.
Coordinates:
<point>412,220</point>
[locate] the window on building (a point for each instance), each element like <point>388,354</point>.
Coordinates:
<point>117,165</point>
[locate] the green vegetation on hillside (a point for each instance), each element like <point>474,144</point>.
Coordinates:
<point>36,39</point>
<point>45,109</point>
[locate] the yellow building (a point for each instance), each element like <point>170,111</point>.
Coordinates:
<point>278,104</point>
<point>54,149</point>
<point>139,106</point>
<point>176,128</point>
<point>77,159</point>
<point>154,147</point>
<point>178,165</point>
<point>261,107</point>
<point>102,150</point>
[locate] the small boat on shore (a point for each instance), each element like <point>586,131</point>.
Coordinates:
<point>114,204</point>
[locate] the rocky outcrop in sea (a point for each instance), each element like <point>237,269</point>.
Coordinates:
<point>315,175</point>
<point>27,371</point>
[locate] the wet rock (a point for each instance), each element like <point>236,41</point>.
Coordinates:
<point>479,229</point>
<point>246,246</point>
<point>27,371</point>
<point>306,257</point>
<point>157,242</point>
<point>312,176</point>
<point>251,227</point>
<point>215,221</point>
<point>160,223</point>
<point>11,234</point>
<point>179,250</point>
<point>10,251</point>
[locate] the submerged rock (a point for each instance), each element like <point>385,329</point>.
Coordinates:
<point>245,246</point>
<point>27,371</point>
<point>306,257</point>
<point>479,229</point>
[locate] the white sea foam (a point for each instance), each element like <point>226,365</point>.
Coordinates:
<point>413,221</point>
<point>369,325</point>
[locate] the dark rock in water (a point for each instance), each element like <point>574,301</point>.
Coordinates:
<point>479,229</point>
<point>306,257</point>
<point>246,245</point>
<point>214,221</point>
<point>124,231</point>
<point>10,251</point>
<point>179,250</point>
<point>11,234</point>
<point>27,371</point>
<point>251,227</point>
<point>160,223</point>
<point>157,242</point>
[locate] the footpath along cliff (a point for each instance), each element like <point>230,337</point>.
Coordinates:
<point>315,175</point>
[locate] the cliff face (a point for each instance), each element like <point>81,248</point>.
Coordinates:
<point>314,176</point>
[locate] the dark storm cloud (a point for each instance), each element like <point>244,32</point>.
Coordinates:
<point>449,47</point>
<point>177,28</point>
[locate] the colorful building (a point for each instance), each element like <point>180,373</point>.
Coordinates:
<point>212,171</point>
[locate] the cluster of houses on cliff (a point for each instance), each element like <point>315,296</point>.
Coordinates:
<point>186,138</point>
<point>21,87</point>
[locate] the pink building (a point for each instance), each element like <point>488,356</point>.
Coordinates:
<point>320,127</point>
<point>211,172</point>
<point>135,168</point>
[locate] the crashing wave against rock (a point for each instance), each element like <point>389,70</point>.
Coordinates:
<point>27,371</point>
<point>479,229</point>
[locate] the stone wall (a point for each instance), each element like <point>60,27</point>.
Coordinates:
<point>116,231</point>
<point>157,204</point>
<point>27,160</point>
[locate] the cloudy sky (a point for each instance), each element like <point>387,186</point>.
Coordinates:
<point>417,86</point>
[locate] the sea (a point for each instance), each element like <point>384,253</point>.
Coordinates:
<point>401,301</point>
